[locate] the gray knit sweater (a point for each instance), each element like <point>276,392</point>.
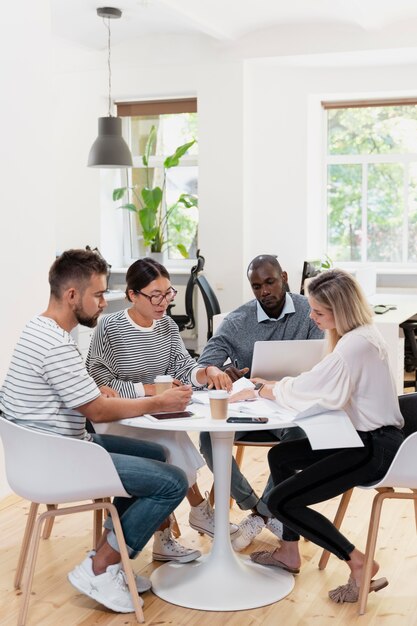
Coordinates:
<point>240,329</point>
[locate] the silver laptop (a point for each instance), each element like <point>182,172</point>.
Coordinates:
<point>272,360</point>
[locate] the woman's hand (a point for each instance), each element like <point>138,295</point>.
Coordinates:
<point>108,392</point>
<point>255,381</point>
<point>150,390</point>
<point>216,379</point>
<point>243,395</point>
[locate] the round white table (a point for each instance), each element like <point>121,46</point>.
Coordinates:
<point>221,580</point>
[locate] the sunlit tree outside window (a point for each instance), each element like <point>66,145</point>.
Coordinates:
<point>372,184</point>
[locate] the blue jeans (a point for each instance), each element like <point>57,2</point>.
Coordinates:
<point>240,488</point>
<point>156,489</point>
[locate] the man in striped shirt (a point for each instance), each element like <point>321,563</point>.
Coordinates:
<point>48,388</point>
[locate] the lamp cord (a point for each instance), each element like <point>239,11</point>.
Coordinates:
<point>107,25</point>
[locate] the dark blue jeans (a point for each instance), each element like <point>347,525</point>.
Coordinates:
<point>325,474</point>
<point>156,488</point>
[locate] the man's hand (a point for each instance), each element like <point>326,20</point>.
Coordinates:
<point>216,379</point>
<point>234,373</point>
<point>108,392</point>
<point>175,399</point>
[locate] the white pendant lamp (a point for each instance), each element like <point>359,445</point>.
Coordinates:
<point>109,149</point>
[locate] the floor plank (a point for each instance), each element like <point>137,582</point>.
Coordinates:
<point>54,601</point>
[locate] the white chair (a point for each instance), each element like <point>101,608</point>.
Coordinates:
<point>46,468</point>
<point>402,474</point>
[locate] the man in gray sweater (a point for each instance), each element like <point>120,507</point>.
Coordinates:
<point>274,314</point>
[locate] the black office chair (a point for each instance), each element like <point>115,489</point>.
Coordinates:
<point>410,351</point>
<point>187,321</point>
<point>210,302</point>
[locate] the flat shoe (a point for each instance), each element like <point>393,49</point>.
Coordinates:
<point>350,591</point>
<point>264,557</point>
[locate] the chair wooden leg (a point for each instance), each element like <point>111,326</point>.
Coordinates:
<point>126,562</point>
<point>370,549</point>
<point>415,506</point>
<point>97,527</point>
<point>239,455</point>
<point>211,495</point>
<point>337,522</point>
<point>31,560</point>
<point>25,544</point>
<point>47,529</point>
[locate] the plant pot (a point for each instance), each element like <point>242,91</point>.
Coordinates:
<point>156,256</point>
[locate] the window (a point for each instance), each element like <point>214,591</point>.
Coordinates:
<point>372,181</point>
<point>175,123</point>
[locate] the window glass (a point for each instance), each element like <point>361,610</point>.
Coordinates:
<point>180,221</point>
<point>372,183</point>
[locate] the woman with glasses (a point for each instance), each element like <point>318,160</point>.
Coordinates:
<point>128,350</point>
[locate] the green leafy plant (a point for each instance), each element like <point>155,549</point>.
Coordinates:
<point>149,201</point>
<point>326,263</point>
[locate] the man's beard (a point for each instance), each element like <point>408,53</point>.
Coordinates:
<point>90,322</point>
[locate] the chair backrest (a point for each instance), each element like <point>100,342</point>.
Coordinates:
<point>402,471</point>
<point>47,468</point>
<point>408,408</point>
<point>210,302</point>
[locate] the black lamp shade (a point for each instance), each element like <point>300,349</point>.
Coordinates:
<point>109,149</point>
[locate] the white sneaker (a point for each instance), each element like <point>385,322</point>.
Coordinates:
<point>249,528</point>
<point>109,589</point>
<point>142,583</point>
<point>166,548</point>
<point>201,518</point>
<point>275,526</point>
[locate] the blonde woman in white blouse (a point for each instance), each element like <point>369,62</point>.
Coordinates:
<point>354,376</point>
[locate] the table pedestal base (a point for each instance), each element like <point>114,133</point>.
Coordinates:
<point>212,585</point>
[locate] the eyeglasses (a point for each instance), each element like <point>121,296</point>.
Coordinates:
<point>158,298</point>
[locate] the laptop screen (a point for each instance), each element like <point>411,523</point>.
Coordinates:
<point>272,360</point>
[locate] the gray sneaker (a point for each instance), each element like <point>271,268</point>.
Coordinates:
<point>275,526</point>
<point>109,588</point>
<point>166,548</point>
<point>249,528</point>
<point>201,518</point>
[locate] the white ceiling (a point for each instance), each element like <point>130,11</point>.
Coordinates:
<point>224,20</point>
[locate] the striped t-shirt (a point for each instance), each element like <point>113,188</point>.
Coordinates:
<point>47,381</point>
<point>123,355</point>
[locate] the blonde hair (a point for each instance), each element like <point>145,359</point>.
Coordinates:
<point>339,292</point>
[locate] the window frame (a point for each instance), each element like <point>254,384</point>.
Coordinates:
<point>364,160</point>
<point>126,110</point>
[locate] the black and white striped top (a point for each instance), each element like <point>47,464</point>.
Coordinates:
<point>47,381</point>
<point>123,354</point>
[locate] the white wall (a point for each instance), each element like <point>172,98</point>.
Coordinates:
<point>284,148</point>
<point>27,240</point>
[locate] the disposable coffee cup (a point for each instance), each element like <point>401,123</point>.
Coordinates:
<point>219,403</point>
<point>162,383</point>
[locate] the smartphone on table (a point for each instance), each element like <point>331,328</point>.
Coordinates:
<point>247,420</point>
<point>173,415</point>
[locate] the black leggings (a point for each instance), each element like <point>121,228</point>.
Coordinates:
<point>325,474</point>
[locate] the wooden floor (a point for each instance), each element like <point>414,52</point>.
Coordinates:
<point>55,602</point>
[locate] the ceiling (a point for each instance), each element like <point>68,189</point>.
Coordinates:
<point>222,20</point>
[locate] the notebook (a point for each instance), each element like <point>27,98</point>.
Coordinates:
<point>272,360</point>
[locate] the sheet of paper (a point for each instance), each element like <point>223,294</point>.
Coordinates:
<point>242,383</point>
<point>330,430</point>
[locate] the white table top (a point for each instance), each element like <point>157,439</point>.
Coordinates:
<point>406,307</point>
<point>203,423</point>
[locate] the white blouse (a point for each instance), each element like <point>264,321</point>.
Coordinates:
<point>355,377</point>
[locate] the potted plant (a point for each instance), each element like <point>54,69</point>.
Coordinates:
<point>149,200</point>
